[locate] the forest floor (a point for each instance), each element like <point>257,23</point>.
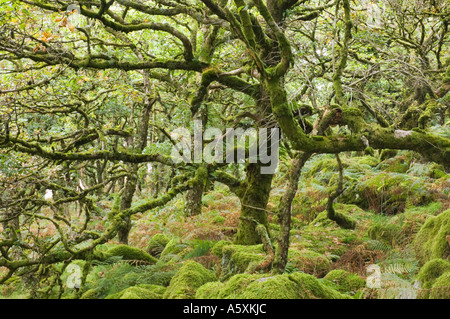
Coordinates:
<point>400,247</point>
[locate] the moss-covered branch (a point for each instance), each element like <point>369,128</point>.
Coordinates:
<point>342,220</point>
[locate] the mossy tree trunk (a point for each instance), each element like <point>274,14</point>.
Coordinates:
<point>284,210</point>
<point>127,199</point>
<point>254,198</point>
<point>193,198</point>
<point>132,178</point>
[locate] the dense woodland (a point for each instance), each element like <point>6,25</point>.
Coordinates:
<point>93,205</point>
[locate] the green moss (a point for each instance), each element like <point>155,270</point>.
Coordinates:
<point>240,258</point>
<point>174,248</point>
<point>139,292</point>
<point>388,193</point>
<point>157,244</point>
<point>210,290</point>
<point>188,279</point>
<point>276,287</point>
<point>342,211</point>
<point>430,109</point>
<point>217,248</point>
<point>385,154</point>
<point>353,118</point>
<point>432,270</point>
<point>441,288</point>
<point>447,75</point>
<point>309,261</point>
<point>369,151</point>
<point>396,165</point>
<point>431,241</point>
<point>345,282</point>
<point>219,219</point>
<point>131,253</point>
<point>90,294</point>
<point>310,287</point>
<point>258,286</point>
<point>386,232</point>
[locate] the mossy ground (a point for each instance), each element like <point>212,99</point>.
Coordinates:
<point>402,225</point>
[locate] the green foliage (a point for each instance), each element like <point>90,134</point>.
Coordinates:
<point>174,250</point>
<point>200,248</point>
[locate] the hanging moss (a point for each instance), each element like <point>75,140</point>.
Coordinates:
<point>188,279</point>
<point>432,239</point>
<point>131,253</point>
<point>431,271</point>
<point>344,281</point>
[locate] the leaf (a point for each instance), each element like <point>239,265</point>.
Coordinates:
<point>71,28</point>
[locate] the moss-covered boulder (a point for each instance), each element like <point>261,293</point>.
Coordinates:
<point>259,286</point>
<point>388,192</point>
<point>240,258</point>
<point>431,271</point>
<point>385,232</point>
<point>188,279</point>
<point>157,244</point>
<point>210,290</point>
<point>441,287</point>
<point>140,292</point>
<point>174,249</point>
<point>131,253</point>
<point>90,294</point>
<point>433,239</point>
<point>344,281</point>
<point>216,250</point>
<point>309,261</point>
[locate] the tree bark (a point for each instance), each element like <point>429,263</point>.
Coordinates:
<point>284,210</point>
<point>254,198</point>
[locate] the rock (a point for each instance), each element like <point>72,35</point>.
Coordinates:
<point>188,279</point>
<point>431,241</point>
